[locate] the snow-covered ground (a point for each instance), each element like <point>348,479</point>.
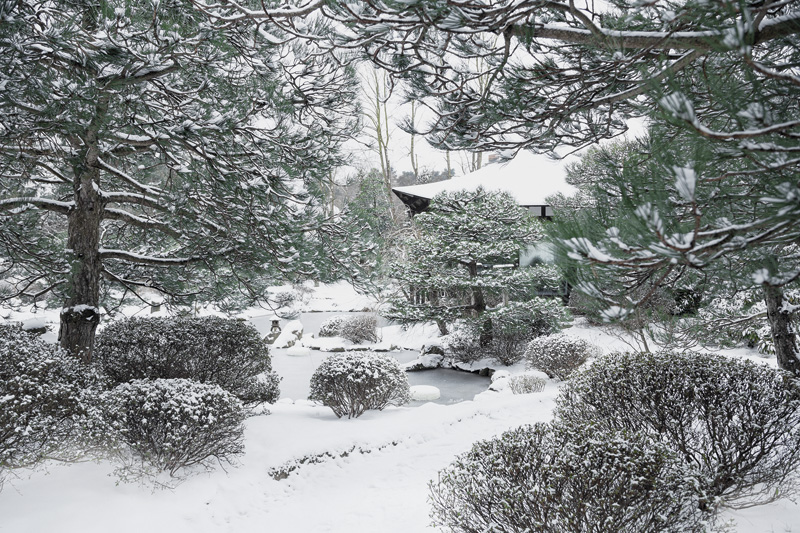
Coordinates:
<point>304,470</point>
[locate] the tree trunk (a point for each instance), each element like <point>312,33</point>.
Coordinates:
<point>781,328</point>
<point>81,314</point>
<point>479,306</point>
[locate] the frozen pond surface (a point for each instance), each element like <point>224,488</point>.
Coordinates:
<point>455,386</point>
<point>296,371</point>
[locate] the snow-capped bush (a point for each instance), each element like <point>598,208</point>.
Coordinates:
<point>463,343</point>
<point>741,319</point>
<point>229,353</point>
<point>359,329</point>
<point>331,327</point>
<point>170,424</point>
<point>516,324</point>
<point>737,423</point>
<point>547,478</point>
<point>352,382</point>
<point>502,333</point>
<point>45,400</point>
<point>355,328</point>
<point>286,303</point>
<point>526,383</point>
<point>558,356</point>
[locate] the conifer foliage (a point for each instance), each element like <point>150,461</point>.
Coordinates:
<point>141,145</point>
<point>462,257</point>
<point>718,80</point>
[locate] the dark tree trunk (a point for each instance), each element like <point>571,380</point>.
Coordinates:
<point>81,314</point>
<point>479,306</point>
<point>781,328</point>
<point>478,300</point>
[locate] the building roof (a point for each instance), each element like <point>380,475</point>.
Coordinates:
<point>530,178</point>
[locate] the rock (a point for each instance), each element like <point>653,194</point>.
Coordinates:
<point>500,374</point>
<point>425,393</point>
<point>292,332</point>
<point>37,326</point>
<point>424,362</point>
<point>433,349</point>
<point>298,351</point>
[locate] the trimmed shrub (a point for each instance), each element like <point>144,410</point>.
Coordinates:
<point>552,479</point>
<point>331,327</point>
<point>516,324</point>
<point>558,356</point>
<point>170,424</point>
<point>736,422</point>
<point>355,328</point>
<point>286,303</point>
<point>45,400</point>
<point>359,329</point>
<point>525,384</point>
<point>463,343</point>
<point>350,383</point>
<point>229,353</point>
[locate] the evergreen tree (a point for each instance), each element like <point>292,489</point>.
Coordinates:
<point>462,257</point>
<point>720,80</point>
<point>143,146</point>
<point>667,226</point>
<point>364,234</point>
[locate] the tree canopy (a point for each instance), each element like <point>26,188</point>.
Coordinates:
<point>463,254</point>
<point>718,81</point>
<point>142,145</point>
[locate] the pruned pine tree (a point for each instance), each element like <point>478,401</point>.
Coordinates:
<point>462,256</point>
<point>142,146</point>
<point>720,79</point>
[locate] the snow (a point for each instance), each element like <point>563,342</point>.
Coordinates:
<point>529,178</point>
<point>368,474</point>
<point>685,182</point>
<point>34,323</point>
<point>423,393</point>
<point>290,334</point>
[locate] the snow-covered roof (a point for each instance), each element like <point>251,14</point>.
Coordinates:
<point>530,178</point>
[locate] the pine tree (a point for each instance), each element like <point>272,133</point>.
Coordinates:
<point>462,257</point>
<point>720,79</point>
<point>144,146</point>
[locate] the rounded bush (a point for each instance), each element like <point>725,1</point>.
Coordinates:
<point>558,356</point>
<point>286,303</point>
<point>526,383</point>
<point>352,382</point>
<point>331,327</point>
<point>463,343</point>
<point>355,328</point>
<point>737,423</point>
<point>516,324</point>
<point>45,399</point>
<point>170,424</point>
<point>359,329</point>
<point>551,479</point>
<point>226,352</point>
